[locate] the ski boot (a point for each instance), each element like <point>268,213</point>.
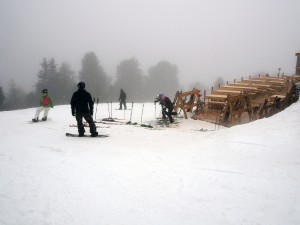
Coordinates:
<point>44,118</point>
<point>81,132</point>
<point>35,120</point>
<point>95,134</point>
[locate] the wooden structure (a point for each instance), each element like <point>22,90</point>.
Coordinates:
<point>248,100</point>
<point>181,102</point>
<point>225,109</point>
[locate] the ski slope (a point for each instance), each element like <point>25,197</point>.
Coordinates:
<point>244,175</point>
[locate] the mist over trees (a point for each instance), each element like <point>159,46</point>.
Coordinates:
<point>2,98</point>
<point>67,84</point>
<point>15,97</point>
<point>130,78</point>
<point>162,79</point>
<point>96,80</point>
<point>219,82</point>
<point>200,86</point>
<point>61,81</point>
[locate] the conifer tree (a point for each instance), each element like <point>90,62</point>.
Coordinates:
<point>66,83</point>
<point>163,79</point>
<point>2,98</point>
<point>43,77</point>
<point>92,73</point>
<point>130,78</point>
<point>15,97</point>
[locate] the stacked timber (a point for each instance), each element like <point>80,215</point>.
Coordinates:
<point>248,100</point>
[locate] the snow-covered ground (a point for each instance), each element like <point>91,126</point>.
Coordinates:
<point>244,175</point>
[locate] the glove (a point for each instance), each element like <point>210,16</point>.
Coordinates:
<point>73,112</point>
<point>91,112</point>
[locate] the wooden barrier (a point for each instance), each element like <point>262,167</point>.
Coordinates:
<point>186,106</point>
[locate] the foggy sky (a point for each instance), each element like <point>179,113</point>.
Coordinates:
<point>206,39</point>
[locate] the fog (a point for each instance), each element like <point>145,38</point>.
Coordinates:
<point>206,39</point>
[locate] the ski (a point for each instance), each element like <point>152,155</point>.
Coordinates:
<point>112,121</point>
<point>162,124</point>
<point>77,135</point>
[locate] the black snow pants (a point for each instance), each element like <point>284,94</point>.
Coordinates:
<point>88,118</point>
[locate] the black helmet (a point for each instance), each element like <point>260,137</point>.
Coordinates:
<point>44,91</point>
<point>81,85</point>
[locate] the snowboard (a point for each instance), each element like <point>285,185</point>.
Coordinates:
<point>37,121</point>
<point>86,125</point>
<point>76,135</point>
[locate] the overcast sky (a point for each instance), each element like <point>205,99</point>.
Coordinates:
<point>206,39</point>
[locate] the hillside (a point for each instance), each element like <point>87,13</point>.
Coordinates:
<point>247,174</point>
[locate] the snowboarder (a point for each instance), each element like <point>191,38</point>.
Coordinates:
<point>46,103</point>
<point>122,99</point>
<point>167,106</point>
<point>82,106</point>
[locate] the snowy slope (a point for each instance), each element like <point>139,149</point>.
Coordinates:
<point>248,174</point>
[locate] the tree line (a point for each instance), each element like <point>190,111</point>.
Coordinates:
<point>61,81</point>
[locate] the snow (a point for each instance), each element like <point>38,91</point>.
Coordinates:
<point>248,174</point>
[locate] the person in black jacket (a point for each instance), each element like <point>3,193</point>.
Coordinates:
<point>122,99</point>
<point>82,106</point>
<point>167,106</point>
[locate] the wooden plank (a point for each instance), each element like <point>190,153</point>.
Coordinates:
<point>219,91</point>
<point>260,85</point>
<point>216,103</point>
<point>271,78</point>
<point>276,82</point>
<point>279,96</point>
<point>255,80</point>
<point>214,96</point>
<point>238,84</point>
<point>239,87</point>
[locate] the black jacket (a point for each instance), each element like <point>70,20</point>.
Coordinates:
<point>166,102</point>
<point>122,96</point>
<point>81,102</point>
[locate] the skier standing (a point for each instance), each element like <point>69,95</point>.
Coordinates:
<point>46,103</point>
<point>82,106</point>
<point>122,99</point>
<point>167,106</point>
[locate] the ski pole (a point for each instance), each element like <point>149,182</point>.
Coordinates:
<point>96,108</point>
<point>124,113</point>
<point>155,110</point>
<point>131,112</point>
<point>111,109</point>
<point>216,119</point>
<point>142,114</point>
<point>108,110</point>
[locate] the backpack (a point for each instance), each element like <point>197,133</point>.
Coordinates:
<point>45,100</point>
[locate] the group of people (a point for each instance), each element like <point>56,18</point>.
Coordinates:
<point>82,106</point>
